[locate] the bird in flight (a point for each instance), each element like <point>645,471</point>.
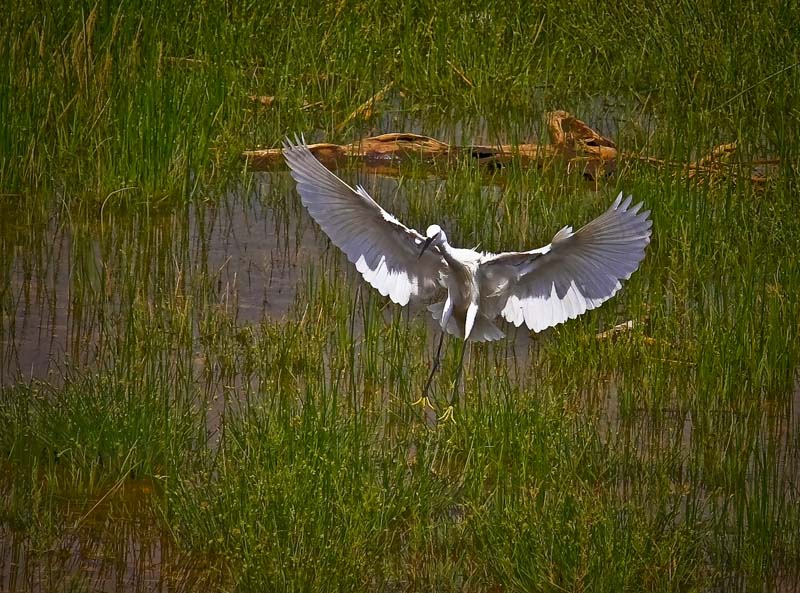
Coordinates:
<point>543,287</point>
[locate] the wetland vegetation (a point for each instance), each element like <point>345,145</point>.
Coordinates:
<point>197,391</point>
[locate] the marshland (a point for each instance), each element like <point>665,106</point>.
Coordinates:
<point>197,390</point>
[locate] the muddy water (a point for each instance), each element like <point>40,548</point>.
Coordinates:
<point>66,282</point>
<point>64,286</point>
<point>249,249</point>
<point>107,545</point>
<point>249,253</point>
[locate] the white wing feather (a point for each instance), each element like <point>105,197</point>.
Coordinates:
<point>384,250</point>
<point>576,272</point>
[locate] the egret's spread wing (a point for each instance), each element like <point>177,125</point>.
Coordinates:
<point>575,273</point>
<point>386,252</point>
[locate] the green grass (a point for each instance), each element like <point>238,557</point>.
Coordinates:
<point>286,454</point>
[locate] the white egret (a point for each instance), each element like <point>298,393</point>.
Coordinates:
<point>541,288</point>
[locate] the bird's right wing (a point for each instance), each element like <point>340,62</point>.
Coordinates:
<point>385,251</point>
<point>576,272</point>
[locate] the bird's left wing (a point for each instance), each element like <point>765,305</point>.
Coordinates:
<point>385,251</point>
<point>576,272</point>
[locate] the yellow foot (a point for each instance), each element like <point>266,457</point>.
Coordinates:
<point>424,403</point>
<point>449,414</point>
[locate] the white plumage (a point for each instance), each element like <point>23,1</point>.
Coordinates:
<point>540,288</point>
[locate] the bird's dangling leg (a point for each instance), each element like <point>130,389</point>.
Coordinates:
<point>423,401</point>
<point>435,366</point>
<point>454,399</point>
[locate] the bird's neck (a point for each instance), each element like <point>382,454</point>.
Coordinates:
<point>449,256</point>
<point>460,276</point>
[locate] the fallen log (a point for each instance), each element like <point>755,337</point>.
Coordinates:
<point>572,141</point>
<point>716,166</point>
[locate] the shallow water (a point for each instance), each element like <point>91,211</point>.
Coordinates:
<point>253,243</point>
<point>59,302</point>
<point>63,297</point>
<point>110,544</point>
<point>248,251</point>
<point>249,254</point>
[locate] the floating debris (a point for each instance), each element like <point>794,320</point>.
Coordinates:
<point>572,141</point>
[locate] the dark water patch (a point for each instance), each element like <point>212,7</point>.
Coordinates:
<point>112,543</point>
<point>67,289</point>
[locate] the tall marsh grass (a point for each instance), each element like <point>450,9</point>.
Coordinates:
<point>287,452</point>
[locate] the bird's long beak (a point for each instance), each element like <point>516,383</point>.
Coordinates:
<point>427,244</point>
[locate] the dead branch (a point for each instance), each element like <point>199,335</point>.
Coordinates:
<point>572,142</point>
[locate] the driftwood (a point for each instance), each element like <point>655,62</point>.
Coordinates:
<point>618,329</point>
<point>717,165</point>
<point>626,328</point>
<point>572,143</point>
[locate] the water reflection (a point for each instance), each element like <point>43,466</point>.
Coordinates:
<point>70,285</point>
<point>110,544</point>
<point>69,282</point>
<point>66,285</point>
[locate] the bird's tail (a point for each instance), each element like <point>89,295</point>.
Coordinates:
<point>484,329</point>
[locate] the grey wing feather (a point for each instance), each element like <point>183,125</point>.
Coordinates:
<point>384,251</point>
<point>576,272</point>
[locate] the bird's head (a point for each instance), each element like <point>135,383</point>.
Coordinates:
<point>434,237</point>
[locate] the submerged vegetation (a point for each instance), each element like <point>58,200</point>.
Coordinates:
<point>189,372</point>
